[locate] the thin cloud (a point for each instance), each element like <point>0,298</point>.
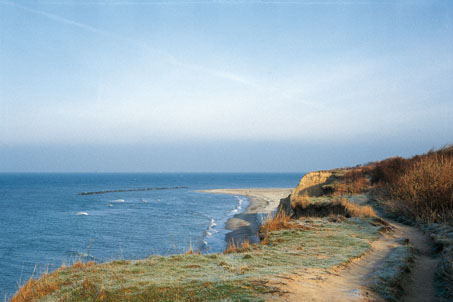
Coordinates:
<point>169,58</point>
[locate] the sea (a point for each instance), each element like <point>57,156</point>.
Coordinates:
<point>45,221</point>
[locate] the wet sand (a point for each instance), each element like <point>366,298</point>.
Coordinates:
<point>245,225</point>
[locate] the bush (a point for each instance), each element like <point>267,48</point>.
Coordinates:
<point>354,181</point>
<point>388,170</point>
<point>424,190</point>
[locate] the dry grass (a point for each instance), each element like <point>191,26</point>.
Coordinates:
<point>279,221</point>
<point>420,188</point>
<point>386,171</point>
<point>301,201</point>
<point>356,210</point>
<point>424,190</point>
<point>239,247</point>
<point>190,251</point>
<point>335,206</point>
<point>81,264</point>
<point>46,284</point>
<point>34,289</point>
<point>354,181</point>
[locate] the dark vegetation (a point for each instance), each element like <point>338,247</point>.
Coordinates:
<point>420,188</point>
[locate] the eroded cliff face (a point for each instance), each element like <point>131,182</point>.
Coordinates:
<point>313,184</point>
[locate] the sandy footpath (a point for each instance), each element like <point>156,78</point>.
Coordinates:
<point>352,282</point>
<point>245,225</point>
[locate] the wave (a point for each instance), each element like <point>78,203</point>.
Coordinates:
<point>118,200</point>
<point>211,228</point>
<point>210,231</point>
<point>238,206</point>
<point>81,256</point>
<point>82,213</point>
<point>208,238</point>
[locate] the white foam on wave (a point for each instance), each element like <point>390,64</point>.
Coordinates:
<point>82,213</point>
<point>211,229</point>
<point>78,255</point>
<point>118,200</point>
<point>213,224</point>
<point>208,234</point>
<point>238,206</point>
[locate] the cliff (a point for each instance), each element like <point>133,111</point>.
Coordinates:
<point>313,184</point>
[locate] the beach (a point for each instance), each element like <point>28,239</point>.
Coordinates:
<point>245,226</point>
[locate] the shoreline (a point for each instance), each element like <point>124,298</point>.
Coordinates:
<point>245,225</point>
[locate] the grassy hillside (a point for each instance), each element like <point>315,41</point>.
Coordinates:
<point>239,274</point>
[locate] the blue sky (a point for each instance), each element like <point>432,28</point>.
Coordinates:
<point>222,85</point>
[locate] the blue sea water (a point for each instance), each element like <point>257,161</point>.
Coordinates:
<point>44,222</point>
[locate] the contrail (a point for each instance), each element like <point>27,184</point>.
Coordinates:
<point>93,29</point>
<point>169,58</point>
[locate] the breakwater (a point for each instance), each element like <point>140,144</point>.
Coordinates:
<point>131,190</point>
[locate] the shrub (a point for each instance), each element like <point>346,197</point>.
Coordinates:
<point>356,180</point>
<point>353,181</point>
<point>388,170</point>
<point>424,190</point>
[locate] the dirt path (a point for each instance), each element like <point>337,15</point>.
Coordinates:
<point>351,283</point>
<point>420,286</point>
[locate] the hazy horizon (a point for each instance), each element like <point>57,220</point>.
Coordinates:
<point>222,86</point>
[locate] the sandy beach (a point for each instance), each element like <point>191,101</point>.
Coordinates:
<point>245,225</point>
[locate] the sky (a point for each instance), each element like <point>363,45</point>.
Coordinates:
<point>221,86</point>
